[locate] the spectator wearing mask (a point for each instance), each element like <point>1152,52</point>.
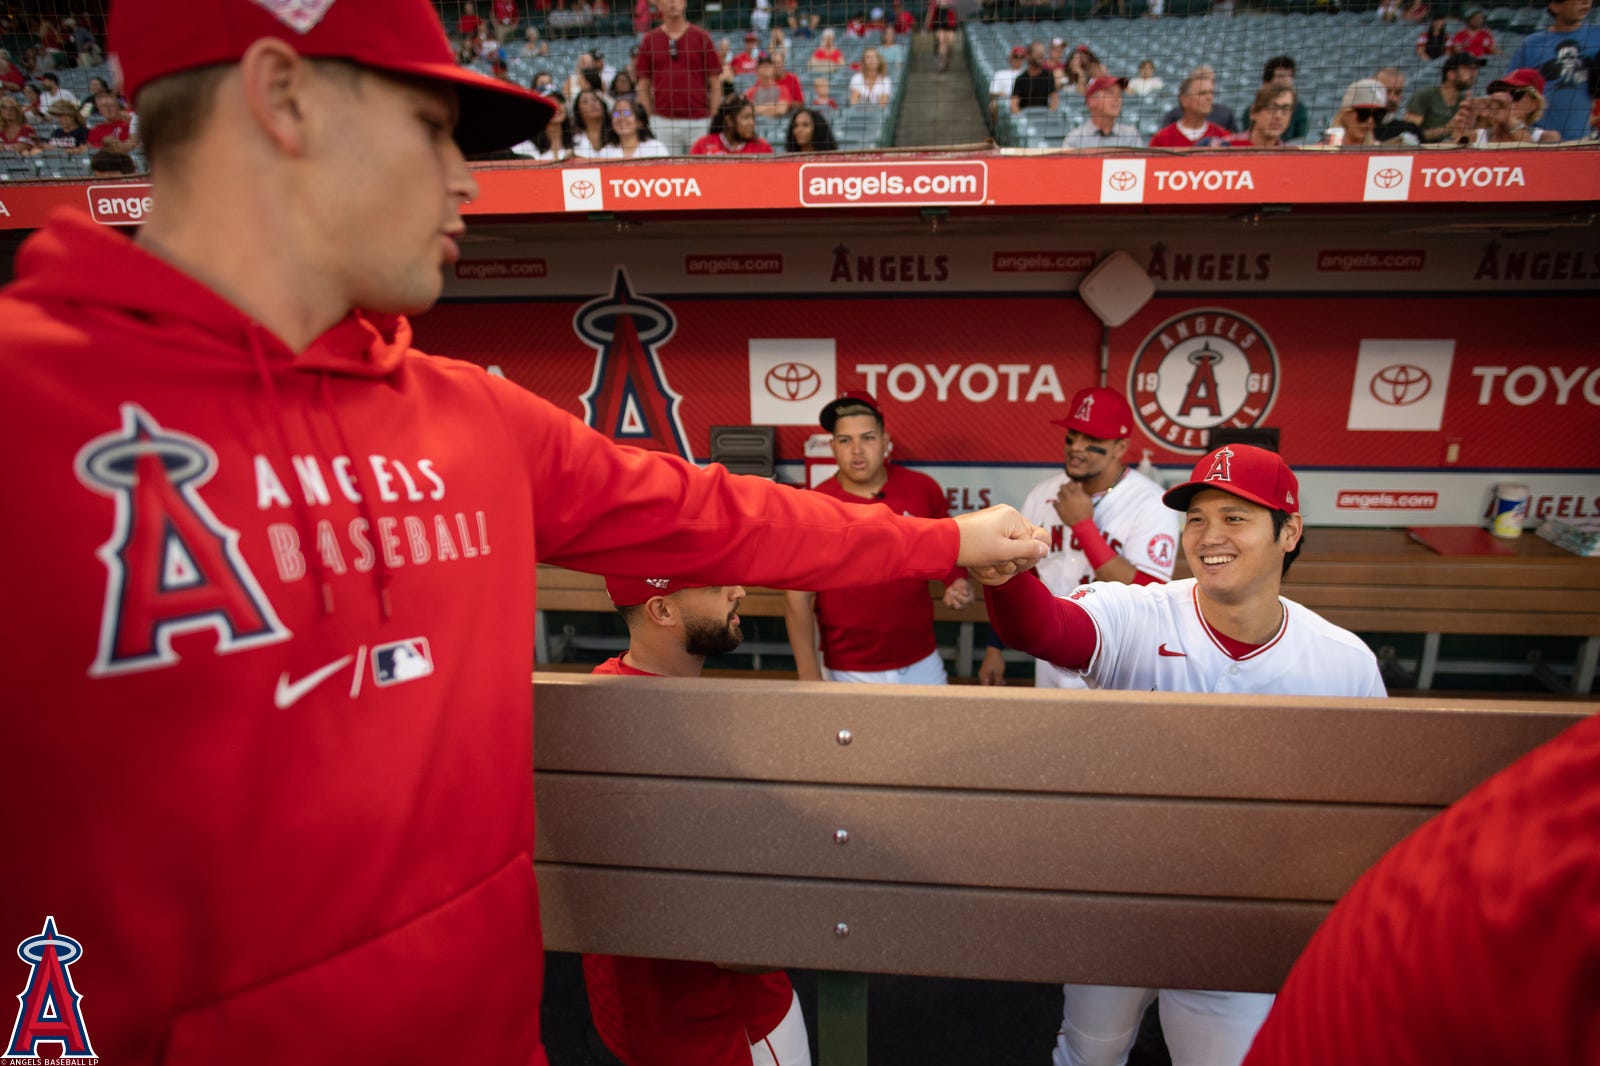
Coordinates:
<point>1431,109</point>
<point>1102,130</point>
<point>1279,72</point>
<point>1034,86</point>
<point>809,131</point>
<point>1565,56</point>
<point>733,131</point>
<point>1271,112</point>
<point>679,78</point>
<point>1193,129</point>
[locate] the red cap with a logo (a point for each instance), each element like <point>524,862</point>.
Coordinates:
<point>632,591</point>
<point>151,39</point>
<point>1242,470</point>
<point>1521,78</point>
<point>830,413</point>
<point>1100,413</point>
<point>1102,83</point>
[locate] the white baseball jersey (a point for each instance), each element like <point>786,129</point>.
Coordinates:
<point>1135,524</point>
<point>1154,637</point>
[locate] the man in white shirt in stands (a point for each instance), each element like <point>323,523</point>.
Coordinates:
<point>1002,81</point>
<point>1102,130</point>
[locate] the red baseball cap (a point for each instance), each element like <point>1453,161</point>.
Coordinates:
<point>150,39</point>
<point>1243,470</point>
<point>830,413</point>
<point>1521,78</point>
<point>1019,52</point>
<point>632,591</point>
<point>1103,82</point>
<point>1098,412</point>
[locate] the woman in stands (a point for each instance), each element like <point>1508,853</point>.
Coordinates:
<point>623,87</point>
<point>809,132</point>
<point>733,131</point>
<point>1514,106</point>
<point>630,133</point>
<point>591,124</point>
<point>1081,67</point>
<point>827,58</point>
<point>1270,113</point>
<point>553,143</point>
<point>15,133</point>
<point>1432,42</point>
<point>871,84</point>
<point>88,108</point>
<point>70,134</point>
<point>33,107</point>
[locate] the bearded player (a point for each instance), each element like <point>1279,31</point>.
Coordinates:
<point>1226,630</point>
<point>1106,520</point>
<point>668,1012</point>
<point>880,633</point>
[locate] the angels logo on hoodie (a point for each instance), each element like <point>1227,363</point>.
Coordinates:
<point>629,399</point>
<point>171,566</point>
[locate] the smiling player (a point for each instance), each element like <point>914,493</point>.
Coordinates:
<point>1225,630</point>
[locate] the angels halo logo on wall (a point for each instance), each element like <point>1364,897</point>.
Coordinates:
<point>1199,370</point>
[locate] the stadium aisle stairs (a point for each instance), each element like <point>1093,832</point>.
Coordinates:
<point>939,108</point>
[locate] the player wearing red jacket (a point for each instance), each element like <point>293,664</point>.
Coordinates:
<point>673,1012</point>
<point>270,615</point>
<point>882,632</point>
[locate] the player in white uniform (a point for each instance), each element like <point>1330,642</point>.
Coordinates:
<point>1227,629</point>
<point>1105,519</point>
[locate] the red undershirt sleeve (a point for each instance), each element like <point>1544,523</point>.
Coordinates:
<point>1094,546</point>
<point>1027,617</point>
<point>1142,578</point>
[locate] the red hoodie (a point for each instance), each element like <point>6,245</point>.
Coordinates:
<point>282,798</point>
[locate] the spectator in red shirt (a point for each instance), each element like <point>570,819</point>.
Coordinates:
<point>827,58</point>
<point>1193,129</point>
<point>467,25</point>
<point>680,78</point>
<point>506,18</point>
<point>11,77</point>
<point>822,95</point>
<point>904,21</point>
<point>745,62</point>
<point>784,76</point>
<point>733,131</point>
<point>15,134</point>
<point>115,134</point>
<point>1473,39</point>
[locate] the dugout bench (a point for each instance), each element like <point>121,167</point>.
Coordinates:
<point>1154,839</point>
<point>1366,580</point>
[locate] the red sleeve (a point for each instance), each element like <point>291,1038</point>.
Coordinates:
<point>1142,578</point>
<point>644,65</point>
<point>1027,617</point>
<point>645,513</point>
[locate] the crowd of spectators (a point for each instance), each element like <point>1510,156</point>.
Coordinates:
<point>41,117</point>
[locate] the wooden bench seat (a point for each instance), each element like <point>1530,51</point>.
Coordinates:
<point>1159,839</point>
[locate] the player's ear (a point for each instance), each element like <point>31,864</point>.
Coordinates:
<point>1119,448</point>
<point>658,610</point>
<point>276,81</point>
<point>1289,535</point>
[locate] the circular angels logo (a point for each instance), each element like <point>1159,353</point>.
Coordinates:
<point>1200,370</point>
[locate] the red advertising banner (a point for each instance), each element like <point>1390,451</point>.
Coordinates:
<point>1353,384</point>
<point>994,179</point>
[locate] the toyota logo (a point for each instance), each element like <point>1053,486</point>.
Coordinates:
<point>793,381</point>
<point>1400,384</point>
<point>1388,178</point>
<point>581,189</point>
<point>1122,180</point>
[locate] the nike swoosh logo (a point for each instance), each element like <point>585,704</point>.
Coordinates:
<point>1164,650</point>
<point>288,693</point>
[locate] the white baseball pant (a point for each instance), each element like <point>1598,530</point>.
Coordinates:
<point>1100,1023</point>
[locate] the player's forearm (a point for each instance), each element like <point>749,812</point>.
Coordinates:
<point>642,89</point>
<point>801,623</point>
<point>1030,619</point>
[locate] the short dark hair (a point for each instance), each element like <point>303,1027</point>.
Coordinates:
<point>106,161</point>
<point>1279,520</point>
<point>1275,64</point>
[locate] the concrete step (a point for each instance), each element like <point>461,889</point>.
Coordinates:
<point>940,107</point>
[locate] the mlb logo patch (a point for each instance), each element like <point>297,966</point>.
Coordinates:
<point>404,660</point>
